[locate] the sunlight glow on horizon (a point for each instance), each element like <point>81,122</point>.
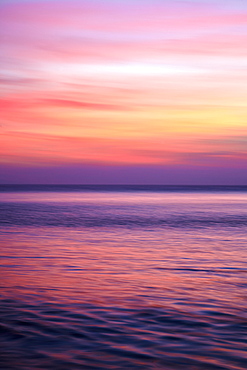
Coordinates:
<point>123,83</point>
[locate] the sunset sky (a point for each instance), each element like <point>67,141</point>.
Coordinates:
<point>120,91</point>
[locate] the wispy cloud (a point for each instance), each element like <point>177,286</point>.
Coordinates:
<point>134,82</point>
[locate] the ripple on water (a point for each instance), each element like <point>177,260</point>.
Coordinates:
<point>104,337</point>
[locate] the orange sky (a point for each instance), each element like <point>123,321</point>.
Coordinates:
<point>125,83</point>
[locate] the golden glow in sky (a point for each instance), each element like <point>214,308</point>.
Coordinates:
<point>125,83</point>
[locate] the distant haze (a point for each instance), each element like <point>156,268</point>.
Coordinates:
<point>124,175</point>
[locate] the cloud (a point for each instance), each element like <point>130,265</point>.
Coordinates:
<point>22,81</point>
<point>24,102</point>
<point>82,105</point>
<point>123,16</point>
<point>24,148</point>
<point>123,82</point>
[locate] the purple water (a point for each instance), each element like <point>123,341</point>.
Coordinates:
<point>123,277</point>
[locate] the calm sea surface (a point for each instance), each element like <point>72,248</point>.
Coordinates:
<point>123,277</point>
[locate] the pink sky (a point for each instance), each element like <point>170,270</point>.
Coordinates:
<point>124,83</point>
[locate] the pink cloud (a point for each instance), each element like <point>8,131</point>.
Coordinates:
<point>91,31</point>
<point>82,105</point>
<point>24,147</point>
<point>14,104</point>
<point>41,40</point>
<point>113,16</point>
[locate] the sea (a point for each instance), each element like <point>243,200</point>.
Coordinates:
<point>123,277</point>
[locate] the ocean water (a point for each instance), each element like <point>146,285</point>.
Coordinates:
<point>123,277</point>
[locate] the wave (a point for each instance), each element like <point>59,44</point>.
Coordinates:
<point>14,214</point>
<point>91,336</point>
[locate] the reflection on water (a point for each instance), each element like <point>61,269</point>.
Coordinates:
<point>123,280</point>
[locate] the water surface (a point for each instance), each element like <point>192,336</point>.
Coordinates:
<point>123,277</point>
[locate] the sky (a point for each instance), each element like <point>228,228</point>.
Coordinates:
<point>113,91</point>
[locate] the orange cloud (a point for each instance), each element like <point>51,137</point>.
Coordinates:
<point>113,82</point>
